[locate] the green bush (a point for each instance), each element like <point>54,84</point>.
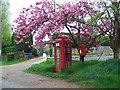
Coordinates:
<point>10,56</point>
<point>16,55</point>
<point>51,52</point>
<point>20,55</point>
<point>34,52</point>
<point>8,50</point>
<point>22,46</point>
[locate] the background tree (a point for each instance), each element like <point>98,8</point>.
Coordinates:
<point>109,24</point>
<point>79,18</point>
<point>23,46</point>
<point>6,33</point>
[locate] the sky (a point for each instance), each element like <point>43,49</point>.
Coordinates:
<point>16,6</point>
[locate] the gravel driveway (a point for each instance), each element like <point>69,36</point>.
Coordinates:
<point>14,77</point>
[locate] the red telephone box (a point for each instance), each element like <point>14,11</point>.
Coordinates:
<point>62,52</point>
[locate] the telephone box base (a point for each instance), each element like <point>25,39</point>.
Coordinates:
<point>58,70</point>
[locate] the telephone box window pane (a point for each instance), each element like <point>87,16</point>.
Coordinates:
<point>67,52</point>
<point>57,55</point>
<point>57,44</point>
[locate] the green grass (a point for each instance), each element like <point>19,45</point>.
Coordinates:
<point>99,74</point>
<point>6,62</point>
<point>14,61</point>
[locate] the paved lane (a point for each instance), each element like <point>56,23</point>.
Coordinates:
<point>14,77</point>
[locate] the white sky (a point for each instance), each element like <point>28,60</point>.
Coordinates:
<point>16,6</point>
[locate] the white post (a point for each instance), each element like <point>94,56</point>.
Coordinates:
<point>80,51</point>
<point>44,57</point>
<point>0,52</point>
<point>94,49</point>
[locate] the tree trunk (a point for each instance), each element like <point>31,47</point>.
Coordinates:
<point>116,46</point>
<point>116,53</point>
<point>79,53</point>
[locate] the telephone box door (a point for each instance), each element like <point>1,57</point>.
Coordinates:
<point>68,54</point>
<point>57,57</point>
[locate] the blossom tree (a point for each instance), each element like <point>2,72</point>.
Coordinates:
<point>43,20</point>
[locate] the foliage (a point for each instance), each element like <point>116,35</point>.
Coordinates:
<point>23,45</point>
<point>109,19</point>
<point>34,51</point>
<point>100,74</point>
<point>16,55</point>
<point>8,50</point>
<point>4,14</point>
<point>51,52</point>
<point>54,35</point>
<point>10,56</point>
<point>39,51</point>
<point>61,33</point>
<point>106,43</point>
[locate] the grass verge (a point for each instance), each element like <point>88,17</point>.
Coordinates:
<point>98,74</point>
<point>14,61</point>
<point>6,62</point>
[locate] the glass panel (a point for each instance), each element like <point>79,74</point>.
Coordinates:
<point>57,55</point>
<point>67,51</point>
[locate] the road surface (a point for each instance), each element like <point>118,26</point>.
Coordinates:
<point>100,58</point>
<point>14,77</point>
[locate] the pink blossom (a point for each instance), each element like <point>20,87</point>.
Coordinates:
<point>26,42</point>
<point>17,42</point>
<point>43,20</point>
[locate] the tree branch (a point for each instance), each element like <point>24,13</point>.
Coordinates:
<point>71,35</point>
<point>98,19</point>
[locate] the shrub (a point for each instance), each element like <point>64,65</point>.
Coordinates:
<point>8,50</point>
<point>34,52</point>
<point>50,52</point>
<point>20,55</point>
<point>10,56</point>
<point>16,55</point>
